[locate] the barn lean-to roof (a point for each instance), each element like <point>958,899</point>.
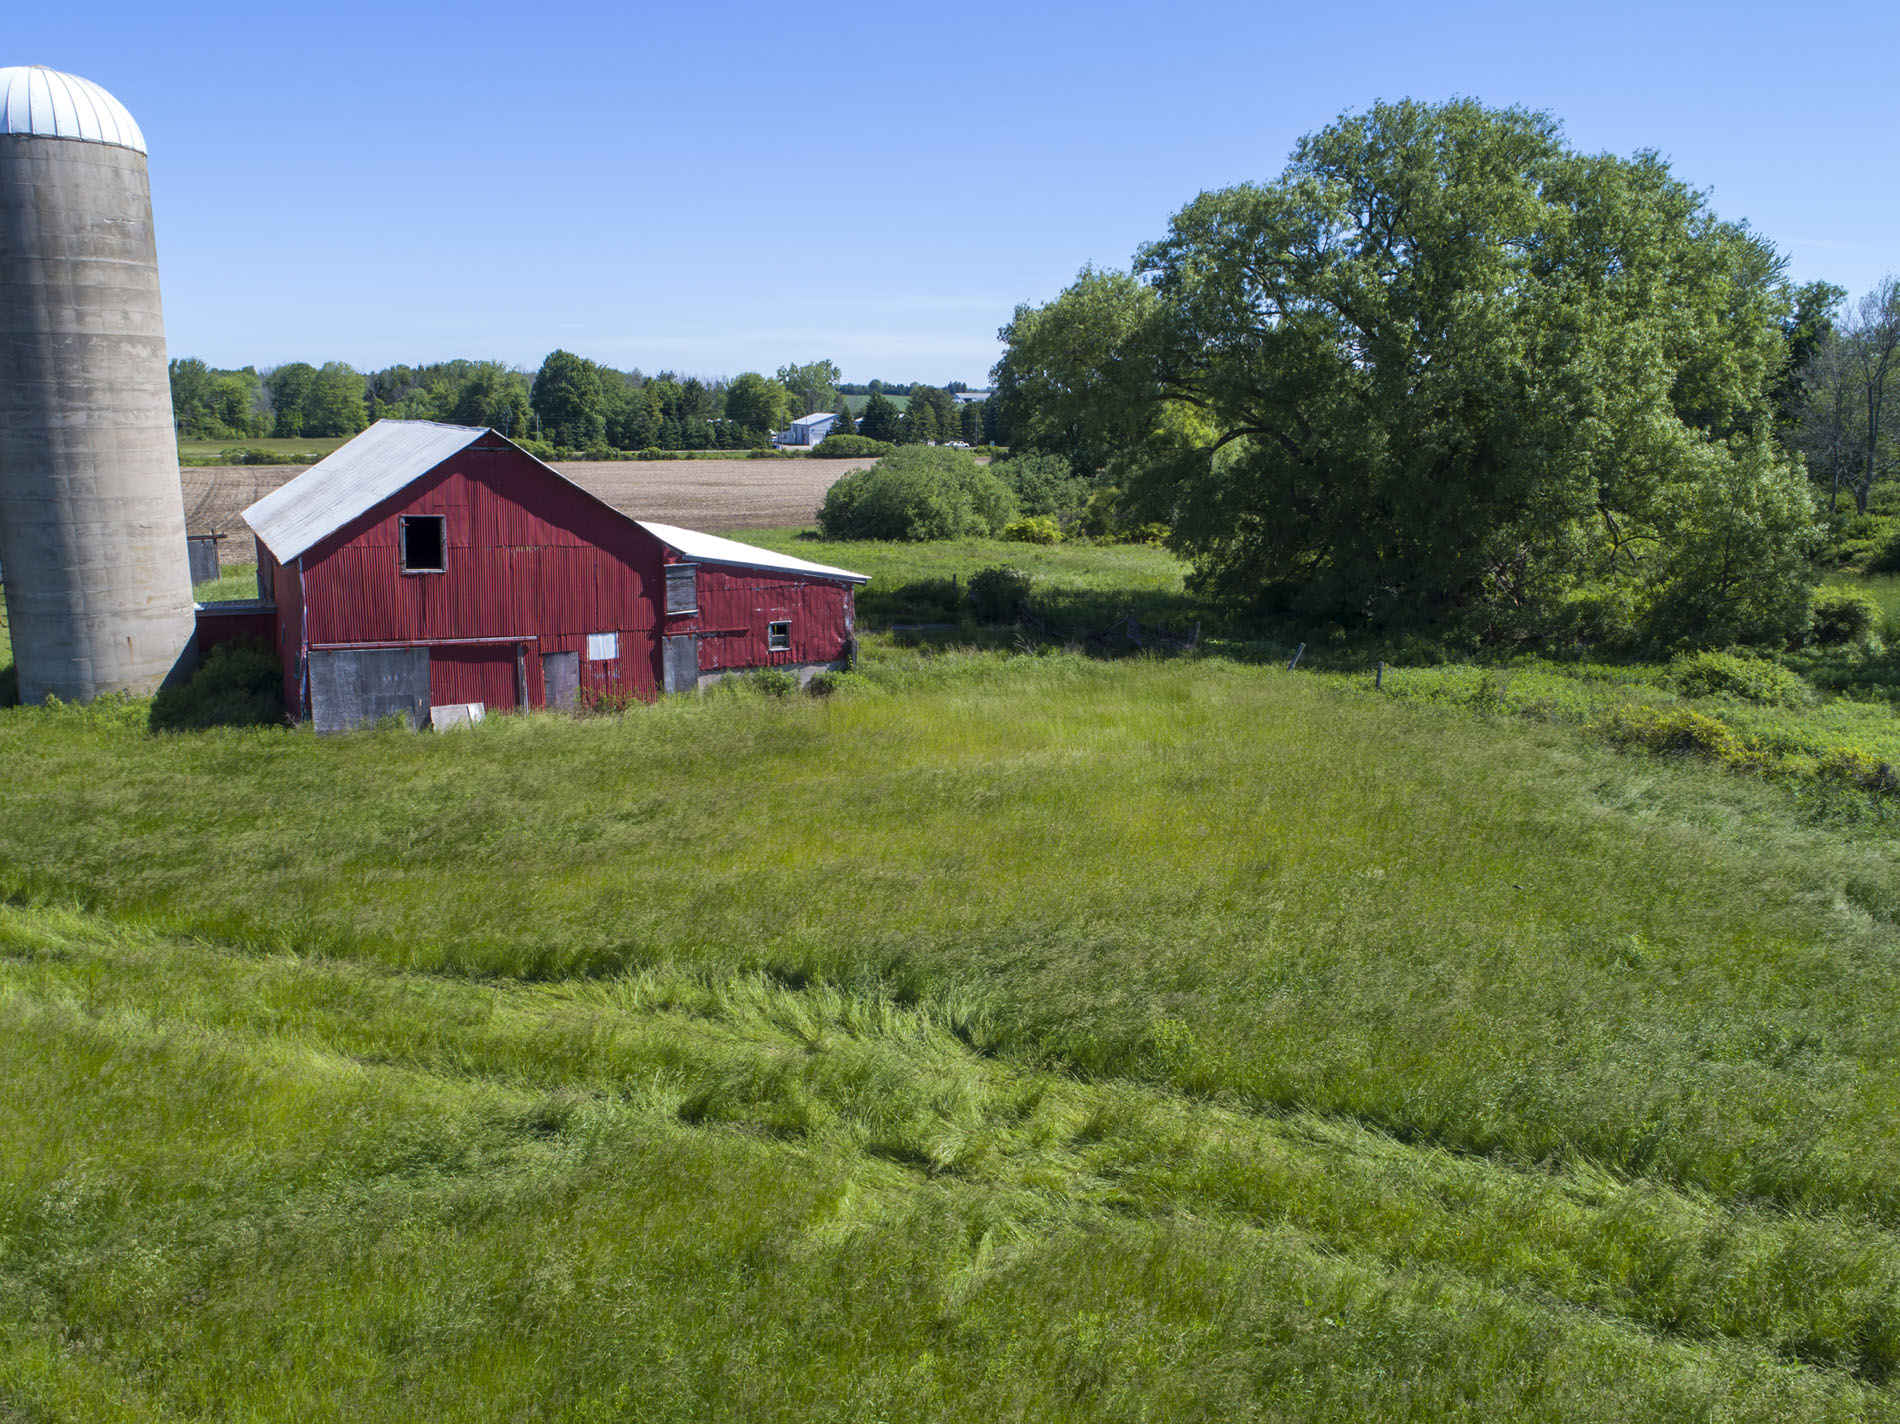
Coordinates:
<point>711,549</point>
<point>393,454</point>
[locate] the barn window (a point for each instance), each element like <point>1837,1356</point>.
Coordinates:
<point>778,637</point>
<point>603,647</point>
<point>425,543</point>
<point>682,588</point>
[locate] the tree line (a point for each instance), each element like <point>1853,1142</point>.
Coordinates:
<point>1447,373</point>
<point>568,403</point>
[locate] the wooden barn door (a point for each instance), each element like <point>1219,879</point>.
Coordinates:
<point>357,687</point>
<point>682,662</point>
<point>561,678</point>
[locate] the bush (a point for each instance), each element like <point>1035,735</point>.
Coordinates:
<point>844,447</point>
<point>1039,530</point>
<point>540,449</point>
<point>240,684</point>
<point>1730,675</point>
<point>1843,616</point>
<point>1680,731</point>
<point>1856,768</point>
<point>917,492</point>
<point>772,682</point>
<point>1886,558</point>
<point>998,593</point>
<point>831,680</point>
<point>1044,484</point>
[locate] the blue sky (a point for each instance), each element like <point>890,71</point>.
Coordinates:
<point>723,188</point>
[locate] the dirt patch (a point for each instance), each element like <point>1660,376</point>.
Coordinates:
<point>713,495</point>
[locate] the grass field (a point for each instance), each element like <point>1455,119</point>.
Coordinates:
<point>319,446</point>
<point>1022,1036</point>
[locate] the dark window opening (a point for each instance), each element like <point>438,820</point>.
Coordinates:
<point>778,637</point>
<point>682,588</point>
<point>425,542</point>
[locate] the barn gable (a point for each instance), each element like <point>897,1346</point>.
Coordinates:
<point>379,463</point>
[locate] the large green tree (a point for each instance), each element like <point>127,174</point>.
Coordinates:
<point>289,387</point>
<point>335,403</point>
<point>757,403</point>
<point>1078,375</point>
<point>813,385</point>
<point>209,404</point>
<point>880,419</point>
<point>568,401</point>
<point>495,396</point>
<point>1444,371</point>
<point>1850,413</point>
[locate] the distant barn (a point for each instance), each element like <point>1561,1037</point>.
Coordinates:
<point>807,429</point>
<point>428,567</point>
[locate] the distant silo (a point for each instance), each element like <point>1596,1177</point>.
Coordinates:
<point>92,520</point>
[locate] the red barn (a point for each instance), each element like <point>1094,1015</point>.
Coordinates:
<point>426,566</point>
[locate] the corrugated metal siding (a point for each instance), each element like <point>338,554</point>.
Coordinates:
<point>528,555</point>
<point>227,624</point>
<point>735,605</point>
<point>483,674</point>
<point>287,589</point>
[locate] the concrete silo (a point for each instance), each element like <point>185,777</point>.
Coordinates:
<point>92,520</point>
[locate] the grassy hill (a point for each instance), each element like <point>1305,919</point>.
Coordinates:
<point>1012,1034</point>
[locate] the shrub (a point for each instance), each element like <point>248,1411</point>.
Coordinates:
<point>1843,616</point>
<point>1598,614</point>
<point>1886,558</point>
<point>1103,517</point>
<point>1044,484</point>
<point>844,447</point>
<point>1680,731</point>
<point>917,492</point>
<point>1856,768</point>
<point>772,682</point>
<point>831,680</point>
<point>239,684</point>
<point>1037,530</point>
<point>1731,675</point>
<point>540,449</point>
<point>998,593</point>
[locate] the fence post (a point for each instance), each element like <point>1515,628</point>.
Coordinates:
<point>1378,677</point>
<point>1296,657</point>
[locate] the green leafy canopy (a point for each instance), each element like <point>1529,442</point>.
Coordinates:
<point>1444,371</point>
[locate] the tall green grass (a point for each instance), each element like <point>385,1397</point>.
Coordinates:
<point>1023,1036</point>
<point>278,1187</point>
<point>1075,588</point>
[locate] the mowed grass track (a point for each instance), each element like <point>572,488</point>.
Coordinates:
<point>1003,1037</point>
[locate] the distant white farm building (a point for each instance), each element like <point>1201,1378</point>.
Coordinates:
<point>807,430</point>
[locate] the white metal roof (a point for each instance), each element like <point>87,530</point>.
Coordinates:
<point>392,454</point>
<point>352,480</point>
<point>42,101</point>
<point>711,549</point>
<point>815,417</point>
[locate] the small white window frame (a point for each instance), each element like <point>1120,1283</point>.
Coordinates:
<point>603,647</point>
<point>776,641</point>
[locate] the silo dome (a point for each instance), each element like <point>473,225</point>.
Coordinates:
<point>38,100</point>
<point>92,520</point>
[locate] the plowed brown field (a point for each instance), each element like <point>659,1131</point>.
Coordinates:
<point>712,495</point>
